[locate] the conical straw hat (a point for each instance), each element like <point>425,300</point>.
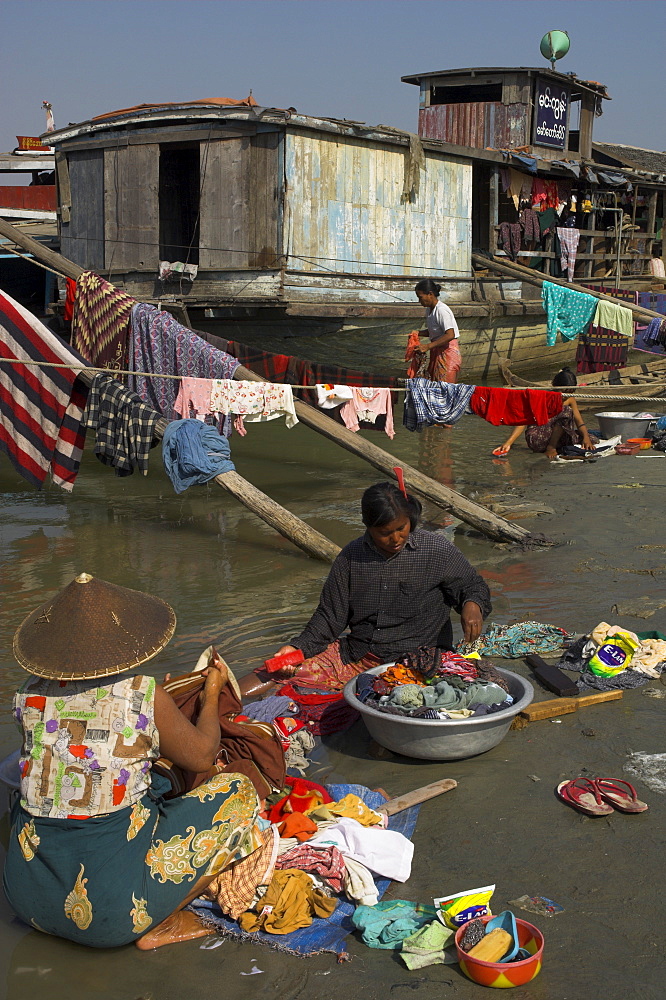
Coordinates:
<point>93,629</point>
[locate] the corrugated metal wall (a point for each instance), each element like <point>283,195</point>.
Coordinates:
<point>343,210</point>
<point>500,126</point>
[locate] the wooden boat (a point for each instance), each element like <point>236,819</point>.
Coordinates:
<point>647,379</point>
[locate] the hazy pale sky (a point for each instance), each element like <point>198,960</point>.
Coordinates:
<point>336,58</point>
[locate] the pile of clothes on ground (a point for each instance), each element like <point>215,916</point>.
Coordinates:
<point>645,658</point>
<point>435,684</point>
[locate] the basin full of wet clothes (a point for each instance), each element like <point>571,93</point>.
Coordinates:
<point>432,683</point>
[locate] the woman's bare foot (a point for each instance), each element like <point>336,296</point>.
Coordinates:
<point>181,926</point>
<point>551,453</point>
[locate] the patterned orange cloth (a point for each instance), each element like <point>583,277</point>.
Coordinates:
<point>393,676</point>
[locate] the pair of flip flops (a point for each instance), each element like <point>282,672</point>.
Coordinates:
<point>600,796</point>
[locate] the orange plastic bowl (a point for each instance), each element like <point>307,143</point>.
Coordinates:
<point>503,975</point>
<point>641,443</point>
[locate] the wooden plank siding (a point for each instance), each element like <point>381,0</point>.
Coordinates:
<point>82,237</point>
<point>131,207</point>
<point>344,210</point>
<point>495,125</point>
<point>240,202</point>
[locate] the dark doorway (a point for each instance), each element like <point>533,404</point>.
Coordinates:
<point>179,203</point>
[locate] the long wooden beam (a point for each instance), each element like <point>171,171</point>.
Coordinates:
<point>474,514</point>
<point>521,273</point>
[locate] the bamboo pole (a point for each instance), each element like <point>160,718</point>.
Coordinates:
<point>492,525</point>
<point>518,271</point>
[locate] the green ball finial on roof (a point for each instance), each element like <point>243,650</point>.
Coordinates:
<point>554,45</point>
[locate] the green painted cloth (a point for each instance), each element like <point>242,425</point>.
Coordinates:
<point>430,945</point>
<point>568,312</point>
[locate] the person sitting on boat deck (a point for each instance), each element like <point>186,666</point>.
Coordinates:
<point>656,262</point>
<point>393,589</point>
<point>563,430</point>
<point>442,329</point>
<point>96,854</point>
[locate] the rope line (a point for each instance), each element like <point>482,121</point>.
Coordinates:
<point>121,371</point>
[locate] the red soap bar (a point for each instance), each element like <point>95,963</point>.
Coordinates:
<point>286,660</point>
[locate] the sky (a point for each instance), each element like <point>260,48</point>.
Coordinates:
<point>334,58</point>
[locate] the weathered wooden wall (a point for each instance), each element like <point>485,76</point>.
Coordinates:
<point>240,202</point>
<point>82,237</point>
<point>498,125</point>
<point>344,211</point>
<point>131,206</point>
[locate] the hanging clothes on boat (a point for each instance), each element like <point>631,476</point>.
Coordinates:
<point>253,402</point>
<point>519,187</point>
<point>329,395</point>
<point>510,235</point>
<point>41,409</point>
<point>569,239</point>
<point>367,404</point>
<point>513,407</point>
<point>194,453</point>
<point>568,312</point>
<point>529,224</point>
<point>428,403</point>
<point>161,345</point>
<point>601,350</point>
<point>124,425</point>
<point>101,321</point>
<point>614,317</point>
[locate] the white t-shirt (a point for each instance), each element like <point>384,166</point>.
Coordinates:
<point>439,320</point>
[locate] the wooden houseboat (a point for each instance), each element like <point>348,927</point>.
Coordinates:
<point>306,235</point>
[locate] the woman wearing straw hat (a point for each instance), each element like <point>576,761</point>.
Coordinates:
<point>96,855</point>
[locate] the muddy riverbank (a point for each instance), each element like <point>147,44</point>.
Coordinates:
<point>233,581</point>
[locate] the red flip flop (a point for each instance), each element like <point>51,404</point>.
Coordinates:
<point>620,794</point>
<point>583,795</point>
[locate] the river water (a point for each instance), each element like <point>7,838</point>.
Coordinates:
<point>235,582</point>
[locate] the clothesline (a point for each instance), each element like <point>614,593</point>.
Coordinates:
<point>515,388</point>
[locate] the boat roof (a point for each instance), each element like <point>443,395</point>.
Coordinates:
<point>636,157</point>
<point>569,78</point>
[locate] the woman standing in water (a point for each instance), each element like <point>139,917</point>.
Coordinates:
<point>442,329</point>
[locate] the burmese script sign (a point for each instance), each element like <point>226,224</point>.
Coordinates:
<point>551,110</point>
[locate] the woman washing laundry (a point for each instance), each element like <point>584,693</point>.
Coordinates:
<point>390,592</point>
<point>442,329</point>
<point>563,430</point>
<point>96,854</point>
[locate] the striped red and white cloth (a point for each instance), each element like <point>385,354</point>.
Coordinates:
<point>41,409</point>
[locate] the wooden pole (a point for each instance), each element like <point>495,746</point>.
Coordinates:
<point>527,274</point>
<point>496,527</point>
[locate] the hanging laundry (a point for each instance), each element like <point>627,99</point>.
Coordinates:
<point>569,239</point>
<point>519,187</point>
<point>253,402</point>
<point>601,350</point>
<point>651,334</point>
<point>529,224</point>
<point>614,317</point>
<point>194,453</point>
<point>101,321</point>
<point>193,399</point>
<point>429,403</point>
<point>41,409</point>
<point>514,407</point>
<point>368,403</point>
<point>124,425</point>
<point>510,238</point>
<point>70,299</point>
<point>569,312</point>
<point>330,395</point>
<point>161,345</point>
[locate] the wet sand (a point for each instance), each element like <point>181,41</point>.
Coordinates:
<point>235,582</point>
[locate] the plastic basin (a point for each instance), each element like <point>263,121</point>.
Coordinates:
<point>442,739</point>
<point>503,975</point>
<point>628,425</point>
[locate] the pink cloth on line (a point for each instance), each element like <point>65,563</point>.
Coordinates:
<point>193,399</point>
<point>368,404</point>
